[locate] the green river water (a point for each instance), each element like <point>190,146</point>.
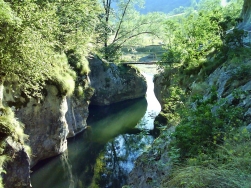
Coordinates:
<point>103,155</point>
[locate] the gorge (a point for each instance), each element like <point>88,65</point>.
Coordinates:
<point>77,120</point>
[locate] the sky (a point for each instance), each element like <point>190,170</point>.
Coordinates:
<point>223,3</point>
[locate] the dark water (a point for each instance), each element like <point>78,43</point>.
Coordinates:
<point>103,155</point>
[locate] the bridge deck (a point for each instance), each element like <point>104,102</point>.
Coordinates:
<point>145,63</point>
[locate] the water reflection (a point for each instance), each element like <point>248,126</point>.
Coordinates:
<point>99,157</point>
<point>103,155</point>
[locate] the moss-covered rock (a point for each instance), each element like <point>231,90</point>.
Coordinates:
<point>17,167</point>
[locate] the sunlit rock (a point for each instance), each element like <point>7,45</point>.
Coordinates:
<point>17,169</point>
<point>114,83</point>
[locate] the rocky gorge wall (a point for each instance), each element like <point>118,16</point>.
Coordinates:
<point>114,83</point>
<point>246,24</point>
<point>229,80</point>
<point>48,122</point>
<point>153,166</point>
<point>54,117</point>
<point>18,169</point>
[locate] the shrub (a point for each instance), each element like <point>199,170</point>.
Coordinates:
<point>227,167</point>
<point>203,127</point>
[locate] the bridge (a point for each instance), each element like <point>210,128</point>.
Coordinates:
<point>140,63</point>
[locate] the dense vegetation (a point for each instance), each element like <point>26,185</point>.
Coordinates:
<point>48,41</point>
<point>208,147</point>
<point>41,41</point>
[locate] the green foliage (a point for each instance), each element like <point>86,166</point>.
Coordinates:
<point>9,126</point>
<point>242,72</point>
<point>124,26</point>
<point>204,127</point>
<point>78,62</point>
<point>194,39</point>
<point>207,148</point>
<point>80,91</point>
<point>25,52</point>
<point>42,42</point>
<point>227,167</point>
<point>77,22</point>
<point>34,32</point>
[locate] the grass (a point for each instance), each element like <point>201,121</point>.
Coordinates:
<point>228,167</point>
<point>139,53</point>
<point>63,76</point>
<point>9,126</point>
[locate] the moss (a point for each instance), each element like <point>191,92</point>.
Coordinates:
<point>9,126</point>
<point>78,62</point>
<point>20,102</point>
<point>79,91</point>
<point>88,93</point>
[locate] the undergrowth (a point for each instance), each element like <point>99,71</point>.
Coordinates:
<point>9,127</point>
<point>209,147</point>
<point>228,167</point>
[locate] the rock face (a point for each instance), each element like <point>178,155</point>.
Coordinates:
<point>44,121</point>
<point>115,83</point>
<point>230,80</point>
<point>236,91</point>
<point>151,167</point>
<point>49,121</point>
<point>158,88</point>
<point>246,24</point>
<point>18,166</point>
<point>76,115</point>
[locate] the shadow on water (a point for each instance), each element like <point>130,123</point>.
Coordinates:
<point>103,155</point>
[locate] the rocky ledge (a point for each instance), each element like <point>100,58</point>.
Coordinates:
<point>114,83</point>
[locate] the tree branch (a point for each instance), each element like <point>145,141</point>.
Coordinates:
<point>135,35</point>
<point>132,30</point>
<point>121,20</point>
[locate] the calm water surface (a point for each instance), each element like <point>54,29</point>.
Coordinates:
<point>103,155</point>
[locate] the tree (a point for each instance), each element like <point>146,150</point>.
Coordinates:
<point>192,39</point>
<point>34,33</point>
<point>123,23</point>
<point>35,38</point>
<point>25,54</point>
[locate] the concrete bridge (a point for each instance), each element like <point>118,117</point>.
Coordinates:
<point>140,63</point>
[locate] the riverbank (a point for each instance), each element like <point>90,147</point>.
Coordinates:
<point>104,154</point>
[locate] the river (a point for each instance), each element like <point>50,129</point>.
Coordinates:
<point>104,154</point>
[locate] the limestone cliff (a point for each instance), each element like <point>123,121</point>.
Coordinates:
<point>76,115</point>
<point>48,121</point>
<point>246,24</point>
<point>230,80</point>
<point>44,121</point>
<point>17,168</point>
<point>158,90</point>
<point>114,83</point>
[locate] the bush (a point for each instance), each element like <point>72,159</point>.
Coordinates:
<point>227,167</point>
<point>204,127</point>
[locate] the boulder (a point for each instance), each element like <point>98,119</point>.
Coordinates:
<point>49,120</point>
<point>17,168</point>
<point>114,83</point>
<point>44,121</point>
